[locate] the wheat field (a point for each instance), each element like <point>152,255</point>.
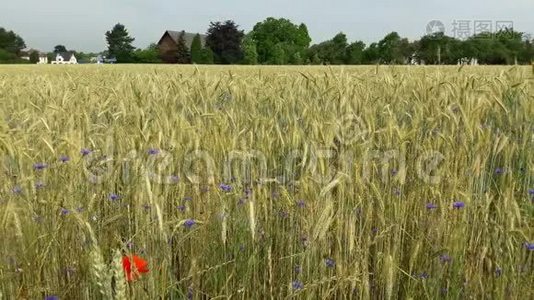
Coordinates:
<point>372,182</point>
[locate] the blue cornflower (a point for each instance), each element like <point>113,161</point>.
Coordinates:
<point>64,158</point>
<point>39,166</point>
<point>189,223</point>
<point>17,190</point>
<point>64,211</point>
<point>113,197</point>
<point>297,285</point>
<point>51,298</point>
<point>85,151</point>
<point>39,185</point>
<point>498,272</point>
<point>298,269</point>
<point>445,258</point>
<point>188,198</point>
<point>431,206</point>
<point>329,262</point>
<point>529,246</point>
<point>175,178</point>
<point>301,203</point>
<point>190,293</point>
<point>531,192</point>
<point>225,187</point>
<point>424,275</point>
<point>153,151</point>
<point>181,208</point>
<point>458,205</point>
<point>146,206</point>
<point>499,171</point>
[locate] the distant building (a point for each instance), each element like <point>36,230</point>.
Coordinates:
<point>167,44</point>
<point>100,59</point>
<point>43,59</point>
<point>65,58</point>
<point>26,54</point>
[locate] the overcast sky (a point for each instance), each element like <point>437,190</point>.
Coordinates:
<point>81,24</point>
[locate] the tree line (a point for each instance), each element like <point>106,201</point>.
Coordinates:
<point>278,41</point>
<point>281,42</point>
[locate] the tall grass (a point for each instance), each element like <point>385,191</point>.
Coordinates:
<point>330,171</point>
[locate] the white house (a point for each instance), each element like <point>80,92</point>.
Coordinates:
<point>43,59</point>
<point>65,58</point>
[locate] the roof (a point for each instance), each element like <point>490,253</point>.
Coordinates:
<point>66,55</point>
<point>28,51</point>
<point>188,36</point>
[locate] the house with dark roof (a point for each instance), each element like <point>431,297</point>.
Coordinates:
<point>65,58</point>
<point>168,44</point>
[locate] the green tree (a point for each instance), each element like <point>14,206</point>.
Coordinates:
<point>389,49</point>
<point>196,50</point>
<point>11,58</point>
<point>34,57</point>
<point>315,60</point>
<point>296,59</point>
<point>249,50</point>
<point>120,44</point>
<point>150,55</point>
<point>486,49</point>
<point>224,39</point>
<point>355,53</point>
<point>371,54</point>
<point>278,55</point>
<point>206,56</point>
<point>512,41</point>
<point>183,56</point>
<point>51,56</point>
<point>277,37</point>
<point>438,48</point>
<point>10,42</point>
<point>526,56</point>
<point>59,49</point>
<point>332,51</point>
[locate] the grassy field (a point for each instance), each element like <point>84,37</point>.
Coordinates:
<point>267,182</point>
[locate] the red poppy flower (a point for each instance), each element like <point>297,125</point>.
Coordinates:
<point>133,271</point>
